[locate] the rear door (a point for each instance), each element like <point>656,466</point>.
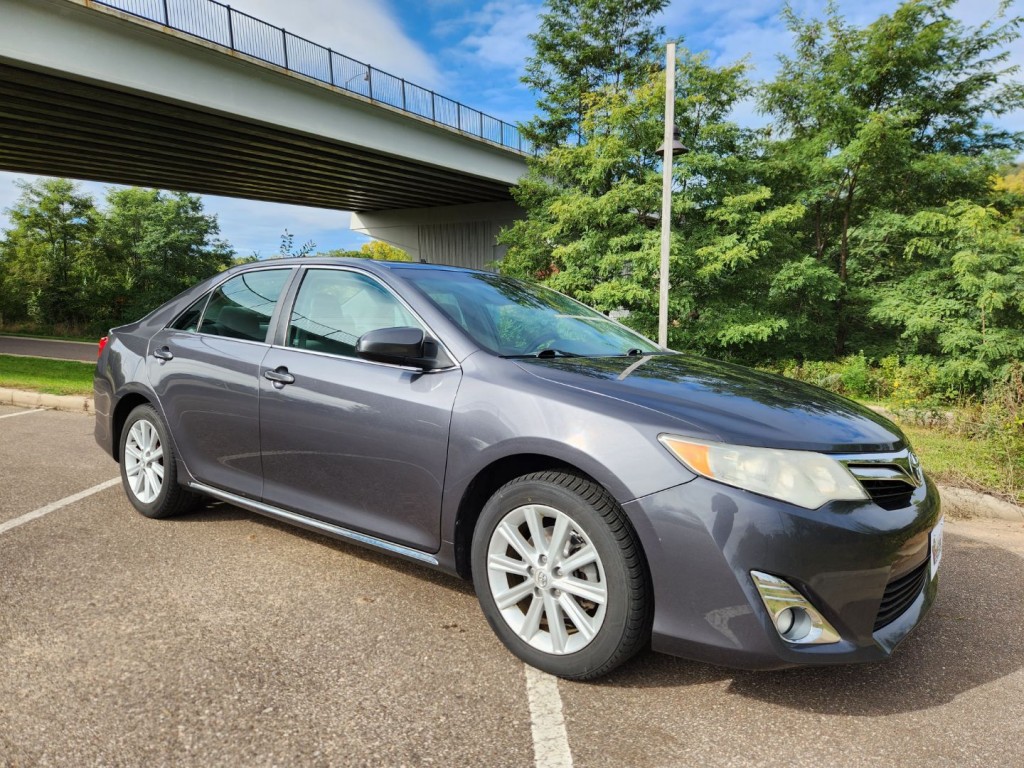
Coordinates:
<point>353,442</point>
<point>204,369</point>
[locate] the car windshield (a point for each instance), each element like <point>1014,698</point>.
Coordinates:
<point>513,318</point>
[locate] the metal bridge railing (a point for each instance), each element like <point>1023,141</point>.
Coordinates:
<point>218,23</point>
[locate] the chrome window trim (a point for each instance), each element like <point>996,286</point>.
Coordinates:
<point>356,271</point>
<point>411,368</point>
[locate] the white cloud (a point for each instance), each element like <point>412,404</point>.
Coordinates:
<point>367,30</point>
<point>498,35</point>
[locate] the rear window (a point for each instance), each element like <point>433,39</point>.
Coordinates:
<point>242,307</point>
<point>189,319</point>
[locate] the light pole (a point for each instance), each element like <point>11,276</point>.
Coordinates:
<point>671,141</point>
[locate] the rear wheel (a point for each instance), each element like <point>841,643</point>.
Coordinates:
<point>560,575</point>
<point>148,471</point>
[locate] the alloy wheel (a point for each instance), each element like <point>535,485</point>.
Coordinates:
<point>144,461</point>
<point>547,579</point>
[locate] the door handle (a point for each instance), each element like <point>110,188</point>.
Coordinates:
<point>279,376</point>
<point>163,353</point>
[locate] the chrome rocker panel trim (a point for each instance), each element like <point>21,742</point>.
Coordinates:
<point>312,524</point>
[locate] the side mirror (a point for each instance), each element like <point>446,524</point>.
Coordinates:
<point>398,346</point>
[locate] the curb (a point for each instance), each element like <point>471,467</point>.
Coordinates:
<point>20,397</point>
<point>960,503</point>
<point>964,504</point>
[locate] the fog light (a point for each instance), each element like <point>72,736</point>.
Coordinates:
<point>795,619</point>
<point>784,621</point>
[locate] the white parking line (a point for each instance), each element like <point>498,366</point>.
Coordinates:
<point>547,723</point>
<point>22,413</point>
<point>36,514</point>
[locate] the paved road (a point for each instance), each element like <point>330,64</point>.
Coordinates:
<point>221,638</point>
<point>60,350</point>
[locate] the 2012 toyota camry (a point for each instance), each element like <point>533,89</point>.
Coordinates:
<point>603,493</point>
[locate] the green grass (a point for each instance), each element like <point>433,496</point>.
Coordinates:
<point>53,377</point>
<point>978,463</point>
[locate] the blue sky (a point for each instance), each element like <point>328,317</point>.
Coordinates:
<point>474,52</point>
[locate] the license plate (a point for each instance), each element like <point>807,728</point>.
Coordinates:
<point>936,546</point>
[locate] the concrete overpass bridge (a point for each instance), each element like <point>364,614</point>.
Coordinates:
<point>191,95</point>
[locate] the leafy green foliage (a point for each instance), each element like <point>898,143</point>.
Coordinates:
<point>593,218</point>
<point>584,46</point>
<point>879,124</point>
<point>871,215</point>
<point>965,299</point>
<point>288,249</point>
<point>377,250</point>
<point>65,263</point>
<point>155,245</point>
<point>48,256</point>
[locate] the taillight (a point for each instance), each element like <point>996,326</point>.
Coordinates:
<point>103,343</point>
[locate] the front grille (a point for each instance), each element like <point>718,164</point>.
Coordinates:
<point>899,594</point>
<point>888,494</point>
<point>889,479</point>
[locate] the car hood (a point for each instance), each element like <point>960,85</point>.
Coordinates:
<point>728,403</point>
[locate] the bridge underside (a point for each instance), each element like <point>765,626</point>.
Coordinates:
<point>56,125</point>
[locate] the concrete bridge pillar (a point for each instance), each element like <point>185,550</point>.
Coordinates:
<point>457,235</point>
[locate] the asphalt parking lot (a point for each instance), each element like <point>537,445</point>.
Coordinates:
<point>221,638</point>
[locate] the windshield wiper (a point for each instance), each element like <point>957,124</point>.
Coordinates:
<point>544,353</point>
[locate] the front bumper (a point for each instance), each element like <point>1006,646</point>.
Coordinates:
<point>703,538</point>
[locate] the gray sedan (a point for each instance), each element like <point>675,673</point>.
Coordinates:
<point>603,494</point>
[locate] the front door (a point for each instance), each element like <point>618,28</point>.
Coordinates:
<point>353,442</point>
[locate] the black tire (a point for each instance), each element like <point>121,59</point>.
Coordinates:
<point>172,499</point>
<point>597,520</point>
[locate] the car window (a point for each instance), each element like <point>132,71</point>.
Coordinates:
<point>189,319</point>
<point>335,307</point>
<point>241,308</point>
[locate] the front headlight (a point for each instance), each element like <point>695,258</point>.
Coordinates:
<point>800,477</point>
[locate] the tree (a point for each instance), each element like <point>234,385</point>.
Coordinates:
<point>47,255</point>
<point>593,210</point>
<point>155,244</point>
<point>582,47</point>
<point>288,249</point>
<point>377,250</point>
<point>965,301</point>
<point>876,124</point>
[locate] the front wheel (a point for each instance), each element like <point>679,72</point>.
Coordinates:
<point>561,576</point>
<point>148,471</point>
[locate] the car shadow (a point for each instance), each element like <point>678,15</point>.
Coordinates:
<point>218,511</point>
<point>971,637</point>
